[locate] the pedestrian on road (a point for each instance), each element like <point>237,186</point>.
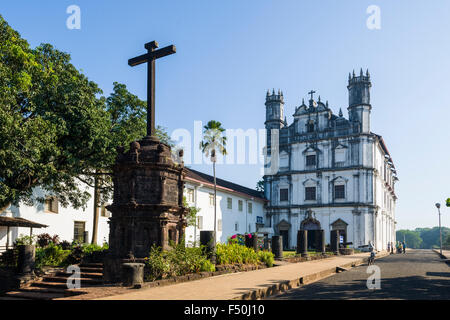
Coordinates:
<point>389,247</point>
<point>404,246</point>
<point>392,247</point>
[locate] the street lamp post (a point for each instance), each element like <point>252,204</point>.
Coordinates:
<point>438,206</point>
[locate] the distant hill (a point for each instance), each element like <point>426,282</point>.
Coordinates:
<point>424,238</point>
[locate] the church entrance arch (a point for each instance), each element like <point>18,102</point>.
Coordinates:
<point>283,230</point>
<point>341,226</point>
<point>312,225</point>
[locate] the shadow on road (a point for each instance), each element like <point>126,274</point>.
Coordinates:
<point>414,287</point>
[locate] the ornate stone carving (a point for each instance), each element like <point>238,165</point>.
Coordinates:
<point>147,207</point>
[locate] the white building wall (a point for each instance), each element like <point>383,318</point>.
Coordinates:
<point>246,221</point>
<point>61,223</point>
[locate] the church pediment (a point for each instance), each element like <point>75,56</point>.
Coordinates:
<point>312,148</point>
<point>283,225</point>
<point>310,222</point>
<point>339,224</point>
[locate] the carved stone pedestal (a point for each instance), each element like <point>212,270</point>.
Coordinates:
<point>147,206</point>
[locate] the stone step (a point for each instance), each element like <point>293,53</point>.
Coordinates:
<point>64,280</point>
<point>92,265</point>
<point>91,269</point>
<point>42,284</point>
<point>42,290</point>
<point>93,275</point>
<point>34,295</point>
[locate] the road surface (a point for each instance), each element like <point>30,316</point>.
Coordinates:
<point>418,274</point>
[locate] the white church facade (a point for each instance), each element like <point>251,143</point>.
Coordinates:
<point>329,173</point>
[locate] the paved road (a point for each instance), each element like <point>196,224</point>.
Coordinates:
<point>418,274</point>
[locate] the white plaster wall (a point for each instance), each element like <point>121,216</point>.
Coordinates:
<point>61,224</point>
<point>246,221</point>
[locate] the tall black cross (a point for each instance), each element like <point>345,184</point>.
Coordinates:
<point>150,58</point>
<point>311,93</point>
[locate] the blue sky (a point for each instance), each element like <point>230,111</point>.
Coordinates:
<point>230,52</point>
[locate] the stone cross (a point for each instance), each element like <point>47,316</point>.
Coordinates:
<point>311,93</point>
<point>150,58</point>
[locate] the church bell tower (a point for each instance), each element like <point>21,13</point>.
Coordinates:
<point>359,106</point>
<point>274,113</point>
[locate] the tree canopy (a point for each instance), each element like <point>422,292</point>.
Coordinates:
<point>56,128</point>
<point>423,238</point>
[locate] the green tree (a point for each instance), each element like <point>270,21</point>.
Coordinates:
<point>430,236</point>
<point>412,238</point>
<point>53,127</point>
<point>213,140</point>
<point>56,130</point>
<point>447,241</point>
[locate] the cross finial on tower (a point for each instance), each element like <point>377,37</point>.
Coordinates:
<point>312,94</point>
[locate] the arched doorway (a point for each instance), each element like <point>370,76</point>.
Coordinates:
<point>341,226</point>
<point>283,230</point>
<point>312,225</point>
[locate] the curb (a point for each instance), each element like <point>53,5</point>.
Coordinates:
<point>307,279</point>
<point>440,255</point>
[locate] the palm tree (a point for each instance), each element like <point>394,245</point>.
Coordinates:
<point>213,140</point>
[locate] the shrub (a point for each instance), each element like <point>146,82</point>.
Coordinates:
<point>66,245</point>
<point>51,255</point>
<point>45,239</point>
<point>87,252</point>
<point>25,240</point>
<point>176,262</point>
<point>235,253</point>
<point>266,257</point>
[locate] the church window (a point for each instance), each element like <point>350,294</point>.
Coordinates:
<point>339,192</point>
<point>229,203</point>
<point>240,205</point>
<point>284,194</point>
<point>250,207</point>
<point>211,199</point>
<point>310,193</point>
<point>190,195</point>
<point>78,231</point>
<point>236,226</point>
<point>51,205</point>
<point>200,222</point>
<point>310,126</point>
<point>311,160</point>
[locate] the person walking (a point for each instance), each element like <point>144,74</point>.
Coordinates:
<point>404,246</point>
